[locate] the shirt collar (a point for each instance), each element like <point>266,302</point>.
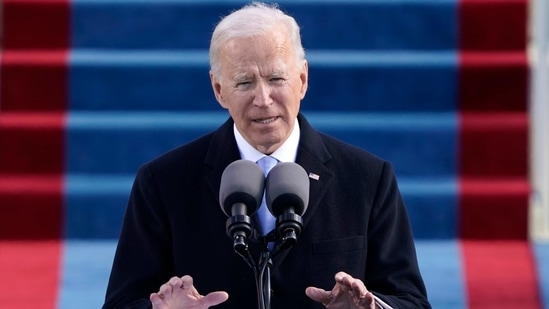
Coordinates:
<point>287,152</point>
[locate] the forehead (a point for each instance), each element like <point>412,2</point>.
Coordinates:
<point>271,51</point>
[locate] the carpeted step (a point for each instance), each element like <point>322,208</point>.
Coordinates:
<point>493,169</point>
<point>35,24</point>
<point>32,143</point>
<point>164,24</point>
<point>493,81</point>
<point>31,207</point>
<point>494,208</point>
<point>33,80</point>
<point>493,25</point>
<point>493,144</point>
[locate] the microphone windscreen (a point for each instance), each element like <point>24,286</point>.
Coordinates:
<point>242,181</point>
<point>287,186</point>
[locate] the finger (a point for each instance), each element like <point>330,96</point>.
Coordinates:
<point>349,283</point>
<point>165,289</point>
<point>359,289</point>
<point>318,295</point>
<point>361,294</point>
<point>343,278</point>
<point>215,298</point>
<point>156,299</point>
<point>187,283</point>
<point>368,301</point>
<point>344,281</point>
<point>187,280</point>
<point>176,282</point>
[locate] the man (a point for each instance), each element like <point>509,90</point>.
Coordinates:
<point>356,249</point>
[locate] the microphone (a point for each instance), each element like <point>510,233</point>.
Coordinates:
<point>287,197</point>
<point>240,195</point>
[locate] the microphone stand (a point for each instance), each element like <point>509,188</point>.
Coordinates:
<point>288,228</point>
<point>265,278</point>
<point>262,268</point>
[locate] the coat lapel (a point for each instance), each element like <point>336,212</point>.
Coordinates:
<point>222,150</point>
<point>312,155</point>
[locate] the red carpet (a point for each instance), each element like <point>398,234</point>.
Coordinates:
<point>493,24</point>
<point>500,275</point>
<point>493,95</point>
<point>32,143</point>
<point>32,103</point>
<point>33,207</point>
<point>30,274</point>
<point>36,24</point>
<point>34,80</point>
<point>492,81</point>
<point>31,165</point>
<point>494,145</point>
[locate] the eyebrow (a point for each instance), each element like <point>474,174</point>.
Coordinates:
<point>241,77</point>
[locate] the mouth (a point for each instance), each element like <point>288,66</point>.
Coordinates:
<point>265,120</point>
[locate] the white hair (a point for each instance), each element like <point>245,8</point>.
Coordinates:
<point>254,19</point>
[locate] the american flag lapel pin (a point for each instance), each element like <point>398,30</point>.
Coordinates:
<point>314,176</point>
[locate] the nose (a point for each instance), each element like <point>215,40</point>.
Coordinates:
<point>262,94</point>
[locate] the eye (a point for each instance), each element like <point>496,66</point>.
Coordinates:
<point>277,80</point>
<point>243,85</point>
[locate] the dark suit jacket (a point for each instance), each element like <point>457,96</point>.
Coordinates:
<point>355,222</point>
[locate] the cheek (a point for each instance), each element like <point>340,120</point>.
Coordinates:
<point>227,97</point>
<point>237,104</point>
<point>297,90</point>
<point>293,99</point>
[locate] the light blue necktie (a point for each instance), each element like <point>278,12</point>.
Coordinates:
<point>265,217</point>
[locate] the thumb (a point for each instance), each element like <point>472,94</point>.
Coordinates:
<point>215,298</point>
<point>318,295</point>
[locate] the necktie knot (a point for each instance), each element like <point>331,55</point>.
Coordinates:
<point>267,163</point>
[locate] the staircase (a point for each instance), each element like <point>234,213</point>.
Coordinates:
<point>91,89</point>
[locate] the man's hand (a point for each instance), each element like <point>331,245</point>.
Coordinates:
<point>347,292</point>
<point>180,293</point>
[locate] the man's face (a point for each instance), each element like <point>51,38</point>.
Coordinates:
<point>261,85</point>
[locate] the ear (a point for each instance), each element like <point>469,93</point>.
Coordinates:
<point>304,76</point>
<point>216,86</point>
